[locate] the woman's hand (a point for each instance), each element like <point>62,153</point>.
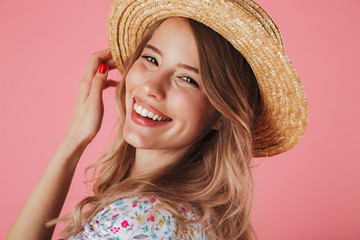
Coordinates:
<point>86,119</point>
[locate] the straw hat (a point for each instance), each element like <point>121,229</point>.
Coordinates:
<point>251,31</point>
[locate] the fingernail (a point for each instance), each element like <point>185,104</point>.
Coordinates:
<point>102,68</point>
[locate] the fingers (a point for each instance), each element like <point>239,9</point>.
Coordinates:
<point>96,59</point>
<point>92,75</point>
<point>98,82</point>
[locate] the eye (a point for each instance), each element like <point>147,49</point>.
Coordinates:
<point>150,59</point>
<point>190,80</point>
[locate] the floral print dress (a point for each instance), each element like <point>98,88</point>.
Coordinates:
<point>138,218</point>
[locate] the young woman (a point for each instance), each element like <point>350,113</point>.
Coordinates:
<point>195,105</point>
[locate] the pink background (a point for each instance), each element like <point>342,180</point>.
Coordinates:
<point>310,192</point>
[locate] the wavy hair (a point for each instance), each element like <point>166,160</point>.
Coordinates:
<point>214,177</point>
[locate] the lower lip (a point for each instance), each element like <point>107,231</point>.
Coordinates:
<point>146,122</point>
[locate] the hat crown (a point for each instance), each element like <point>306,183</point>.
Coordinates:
<point>257,14</point>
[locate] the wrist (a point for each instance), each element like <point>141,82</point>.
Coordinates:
<point>69,151</point>
<point>74,143</point>
<point>75,137</point>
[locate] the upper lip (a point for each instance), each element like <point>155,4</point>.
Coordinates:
<point>150,108</point>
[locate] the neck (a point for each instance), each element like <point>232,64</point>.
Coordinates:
<point>148,161</point>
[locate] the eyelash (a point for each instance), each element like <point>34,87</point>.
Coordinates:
<point>150,59</point>
<point>190,80</point>
<point>185,78</point>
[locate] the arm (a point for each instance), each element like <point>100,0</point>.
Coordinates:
<point>47,198</point>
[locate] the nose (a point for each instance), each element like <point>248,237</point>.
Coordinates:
<point>155,85</point>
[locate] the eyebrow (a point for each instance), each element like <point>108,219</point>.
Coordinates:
<point>154,49</point>
<point>190,68</point>
<point>181,65</point>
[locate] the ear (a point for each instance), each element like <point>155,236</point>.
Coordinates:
<point>217,124</point>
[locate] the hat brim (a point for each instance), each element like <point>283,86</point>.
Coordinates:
<point>252,32</point>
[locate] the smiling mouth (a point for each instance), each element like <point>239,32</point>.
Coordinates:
<point>147,113</point>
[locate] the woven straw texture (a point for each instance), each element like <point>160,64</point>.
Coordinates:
<point>251,31</point>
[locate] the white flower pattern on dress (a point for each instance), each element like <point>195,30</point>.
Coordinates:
<point>134,218</point>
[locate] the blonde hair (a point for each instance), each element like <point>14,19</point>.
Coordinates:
<point>214,177</point>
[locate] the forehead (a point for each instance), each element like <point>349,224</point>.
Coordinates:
<point>174,24</point>
<point>175,37</point>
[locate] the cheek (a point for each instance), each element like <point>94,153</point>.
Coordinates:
<point>196,110</point>
<point>133,79</point>
<point>135,75</point>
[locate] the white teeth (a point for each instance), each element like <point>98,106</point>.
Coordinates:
<point>138,109</point>
<point>146,113</point>
<point>150,114</point>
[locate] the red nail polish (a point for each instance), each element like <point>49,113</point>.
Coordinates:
<point>102,68</point>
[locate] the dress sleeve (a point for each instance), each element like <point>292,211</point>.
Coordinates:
<point>130,218</point>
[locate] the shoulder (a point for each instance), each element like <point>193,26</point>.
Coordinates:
<point>135,218</point>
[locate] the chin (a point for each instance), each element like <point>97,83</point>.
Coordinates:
<point>136,140</point>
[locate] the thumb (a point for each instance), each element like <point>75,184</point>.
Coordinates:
<point>98,81</point>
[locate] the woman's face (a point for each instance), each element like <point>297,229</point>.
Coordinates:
<point>165,84</point>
